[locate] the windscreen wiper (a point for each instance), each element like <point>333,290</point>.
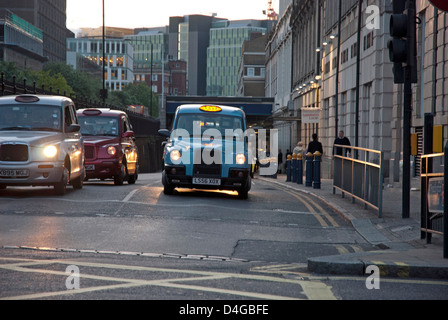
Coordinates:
<point>15,128</point>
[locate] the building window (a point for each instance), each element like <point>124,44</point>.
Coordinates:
<point>344,56</point>
<point>327,67</point>
<point>354,50</point>
<point>368,40</point>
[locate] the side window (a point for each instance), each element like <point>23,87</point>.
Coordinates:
<point>67,116</point>
<point>74,115</point>
<point>126,124</point>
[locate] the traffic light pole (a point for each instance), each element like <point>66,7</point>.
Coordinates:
<point>407,114</point>
<point>409,78</point>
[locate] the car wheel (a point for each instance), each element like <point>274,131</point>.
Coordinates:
<point>118,180</point>
<point>78,182</point>
<point>133,178</point>
<point>168,190</point>
<point>243,194</point>
<point>60,188</point>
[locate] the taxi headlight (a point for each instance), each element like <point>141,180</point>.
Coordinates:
<point>50,151</point>
<point>175,155</point>
<point>111,151</point>
<point>240,158</point>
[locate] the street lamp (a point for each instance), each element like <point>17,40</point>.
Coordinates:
<point>103,92</point>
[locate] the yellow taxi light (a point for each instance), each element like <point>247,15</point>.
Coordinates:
<point>211,109</point>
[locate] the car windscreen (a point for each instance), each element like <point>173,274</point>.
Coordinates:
<point>191,122</point>
<point>30,117</point>
<point>98,126</point>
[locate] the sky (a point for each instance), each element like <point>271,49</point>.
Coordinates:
<point>152,13</point>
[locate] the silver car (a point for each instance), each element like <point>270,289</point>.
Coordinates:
<point>40,143</point>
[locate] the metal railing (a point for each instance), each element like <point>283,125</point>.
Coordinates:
<point>361,176</point>
<point>432,184</point>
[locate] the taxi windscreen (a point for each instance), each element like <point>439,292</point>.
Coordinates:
<point>31,117</point>
<point>208,121</point>
<point>98,126</point>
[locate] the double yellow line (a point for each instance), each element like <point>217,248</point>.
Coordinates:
<point>312,205</point>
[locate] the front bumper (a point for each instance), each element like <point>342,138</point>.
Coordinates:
<point>40,173</point>
<point>237,179</point>
<point>103,168</point>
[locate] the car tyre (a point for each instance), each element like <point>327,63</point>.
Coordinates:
<point>133,178</point>
<point>78,182</point>
<point>60,188</point>
<point>168,190</point>
<point>243,194</point>
<point>118,180</point>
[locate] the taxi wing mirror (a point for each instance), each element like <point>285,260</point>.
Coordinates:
<point>164,133</point>
<point>73,128</point>
<point>128,134</point>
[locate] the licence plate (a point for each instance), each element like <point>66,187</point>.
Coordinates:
<point>90,167</point>
<point>14,173</point>
<point>207,181</point>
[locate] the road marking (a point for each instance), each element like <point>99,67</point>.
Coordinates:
<point>310,208</point>
<point>356,248</point>
<point>303,198</point>
<point>341,249</point>
<point>317,290</point>
<point>130,195</point>
<point>127,282</point>
<point>323,211</point>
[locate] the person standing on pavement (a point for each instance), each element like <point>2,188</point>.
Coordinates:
<point>280,161</point>
<point>343,141</point>
<point>315,145</point>
<point>299,148</point>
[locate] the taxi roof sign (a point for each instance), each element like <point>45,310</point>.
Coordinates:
<point>211,109</point>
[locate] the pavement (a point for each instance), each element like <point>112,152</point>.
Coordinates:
<point>401,251</point>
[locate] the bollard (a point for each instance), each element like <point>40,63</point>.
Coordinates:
<point>317,163</point>
<point>294,167</point>
<point>309,170</point>
<point>288,168</point>
<point>300,169</point>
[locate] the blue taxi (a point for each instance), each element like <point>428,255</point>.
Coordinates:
<point>207,148</point>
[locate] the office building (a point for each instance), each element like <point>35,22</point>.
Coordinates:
<point>119,59</point>
<point>224,54</point>
<point>47,15</point>
<point>21,42</point>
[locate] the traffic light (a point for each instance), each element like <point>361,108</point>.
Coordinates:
<point>403,44</point>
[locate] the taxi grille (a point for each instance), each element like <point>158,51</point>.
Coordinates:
<point>201,168</point>
<point>208,170</point>
<point>14,152</point>
<point>89,152</point>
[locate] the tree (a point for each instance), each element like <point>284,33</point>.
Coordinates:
<point>56,81</point>
<point>82,83</point>
<point>135,94</point>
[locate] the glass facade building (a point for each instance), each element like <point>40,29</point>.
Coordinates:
<point>224,56</point>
